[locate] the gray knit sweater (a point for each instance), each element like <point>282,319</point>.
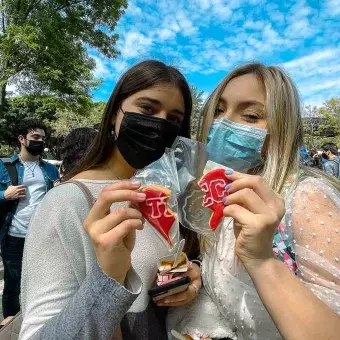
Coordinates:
<point>65,295</point>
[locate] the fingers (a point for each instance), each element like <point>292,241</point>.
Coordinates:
<point>248,199</point>
<point>21,186</point>
<point>21,191</point>
<point>118,192</point>
<point>179,299</point>
<point>242,181</point>
<point>113,219</point>
<point>123,185</point>
<point>240,214</point>
<point>116,235</point>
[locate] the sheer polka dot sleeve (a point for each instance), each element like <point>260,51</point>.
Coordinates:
<point>313,217</point>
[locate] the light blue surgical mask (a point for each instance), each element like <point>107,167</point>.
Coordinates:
<point>235,145</point>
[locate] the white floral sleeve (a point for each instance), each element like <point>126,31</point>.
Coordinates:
<point>313,219</point>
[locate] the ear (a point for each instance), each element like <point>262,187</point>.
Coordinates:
<point>21,139</point>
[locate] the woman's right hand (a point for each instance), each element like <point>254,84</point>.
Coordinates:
<point>113,233</point>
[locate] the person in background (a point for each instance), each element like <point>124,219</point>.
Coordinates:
<point>35,178</point>
<point>314,159</point>
<point>74,147</point>
<point>330,154</point>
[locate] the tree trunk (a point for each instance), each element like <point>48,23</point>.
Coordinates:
<point>2,98</point>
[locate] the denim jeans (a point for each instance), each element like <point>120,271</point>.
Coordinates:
<point>12,249</point>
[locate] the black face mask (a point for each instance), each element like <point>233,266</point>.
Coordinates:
<point>35,147</point>
<point>142,139</point>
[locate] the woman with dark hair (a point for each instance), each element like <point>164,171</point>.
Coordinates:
<point>79,284</point>
<point>74,148</point>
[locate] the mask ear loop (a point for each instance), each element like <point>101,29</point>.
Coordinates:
<point>113,135</point>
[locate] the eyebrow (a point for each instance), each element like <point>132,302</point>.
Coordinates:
<point>38,134</point>
<point>158,103</point>
<point>245,103</point>
<point>251,103</point>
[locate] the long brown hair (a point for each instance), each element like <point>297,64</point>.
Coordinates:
<point>144,75</point>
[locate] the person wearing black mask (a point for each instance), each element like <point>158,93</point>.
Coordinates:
<point>330,154</point>
<point>78,281</point>
<point>24,181</point>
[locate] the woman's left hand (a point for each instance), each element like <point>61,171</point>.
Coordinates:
<point>188,295</point>
<point>257,211</point>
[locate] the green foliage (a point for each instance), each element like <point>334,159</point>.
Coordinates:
<point>43,44</point>
<point>69,119</point>
<point>322,125</point>
<point>197,105</point>
<point>42,107</point>
<point>6,150</point>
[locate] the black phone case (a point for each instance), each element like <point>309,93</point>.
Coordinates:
<point>166,287</point>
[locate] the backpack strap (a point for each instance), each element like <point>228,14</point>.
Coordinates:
<point>86,191</point>
<point>12,171</point>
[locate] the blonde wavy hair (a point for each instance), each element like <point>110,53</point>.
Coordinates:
<point>283,116</point>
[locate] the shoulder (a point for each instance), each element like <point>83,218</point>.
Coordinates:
<point>315,194</point>
<point>315,186</point>
<point>51,168</point>
<point>66,199</point>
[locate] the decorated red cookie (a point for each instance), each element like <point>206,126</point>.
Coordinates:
<point>155,209</point>
<point>213,183</point>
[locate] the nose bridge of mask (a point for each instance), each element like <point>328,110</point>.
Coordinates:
<point>240,135</point>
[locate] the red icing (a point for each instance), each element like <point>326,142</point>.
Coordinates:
<point>213,184</point>
<point>155,209</point>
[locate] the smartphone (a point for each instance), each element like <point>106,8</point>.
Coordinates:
<point>171,288</point>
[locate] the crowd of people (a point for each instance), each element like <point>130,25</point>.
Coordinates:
<point>327,160</point>
<point>86,257</point>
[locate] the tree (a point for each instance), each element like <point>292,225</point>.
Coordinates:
<point>330,113</point>
<point>196,116</point>
<point>322,124</point>
<point>310,124</point>
<point>43,45</point>
<point>67,119</point>
<point>43,107</point>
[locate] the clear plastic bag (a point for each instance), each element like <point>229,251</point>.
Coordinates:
<point>160,209</point>
<point>196,200</point>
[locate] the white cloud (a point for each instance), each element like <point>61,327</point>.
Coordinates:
<point>310,61</point>
<point>254,25</point>
<point>333,7</point>
<point>134,44</point>
<point>165,34</point>
<point>102,67</point>
<point>317,75</point>
<point>133,9</point>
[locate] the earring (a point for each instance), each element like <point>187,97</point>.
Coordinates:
<point>112,133</point>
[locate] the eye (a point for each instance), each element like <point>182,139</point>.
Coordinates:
<point>146,109</point>
<point>175,120</point>
<point>251,117</point>
<point>218,112</point>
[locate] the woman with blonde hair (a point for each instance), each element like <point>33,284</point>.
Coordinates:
<point>274,271</point>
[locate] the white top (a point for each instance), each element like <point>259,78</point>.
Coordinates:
<point>312,227</point>
<point>35,192</point>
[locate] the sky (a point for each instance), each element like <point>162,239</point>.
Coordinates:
<point>206,39</point>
